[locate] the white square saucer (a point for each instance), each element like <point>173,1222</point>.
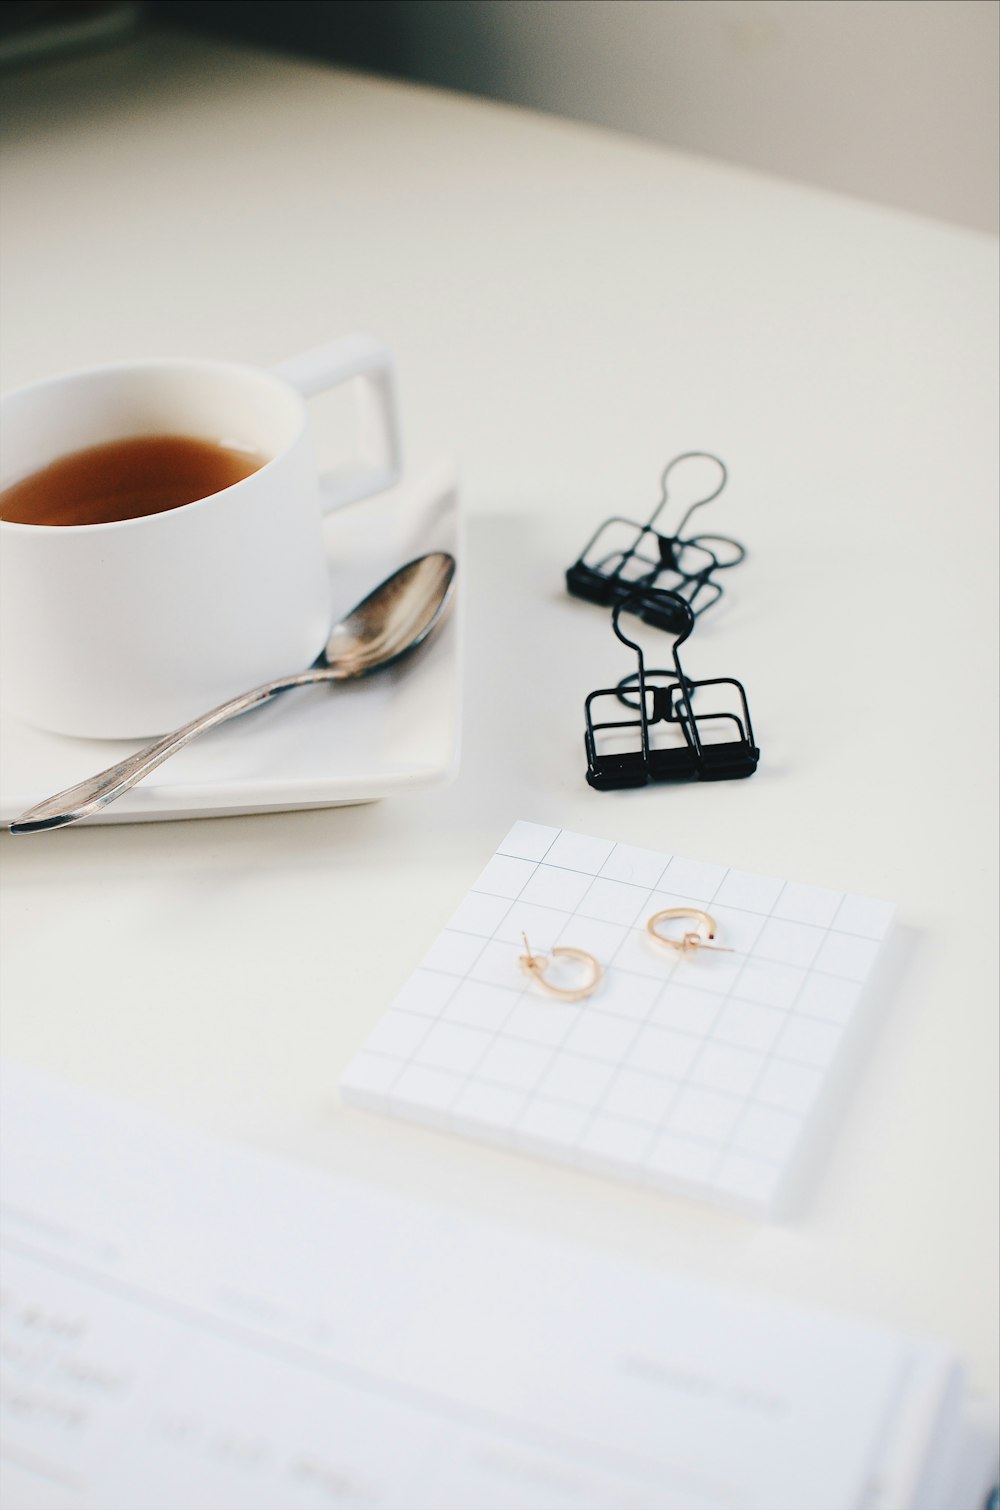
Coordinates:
<point>315,746</point>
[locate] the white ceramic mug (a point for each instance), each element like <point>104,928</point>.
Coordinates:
<point>131,628</point>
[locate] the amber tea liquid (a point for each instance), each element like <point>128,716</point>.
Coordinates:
<point>126,479</point>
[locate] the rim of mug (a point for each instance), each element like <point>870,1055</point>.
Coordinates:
<point>219,365</point>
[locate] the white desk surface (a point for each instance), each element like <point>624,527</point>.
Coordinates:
<point>570,308</point>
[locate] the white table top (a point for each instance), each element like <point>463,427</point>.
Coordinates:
<point>570,308</point>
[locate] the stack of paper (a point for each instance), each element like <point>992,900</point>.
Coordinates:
<point>186,1324</point>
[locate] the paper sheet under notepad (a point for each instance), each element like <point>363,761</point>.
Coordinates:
<point>189,1324</point>
<point>706,1074</point>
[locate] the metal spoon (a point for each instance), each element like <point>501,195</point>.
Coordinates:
<point>386,625</point>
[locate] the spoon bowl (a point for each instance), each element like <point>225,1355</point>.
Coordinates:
<point>393,620</point>
<point>386,625</point>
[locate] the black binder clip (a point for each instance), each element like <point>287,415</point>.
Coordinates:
<point>672,735</point>
<point>623,555</point>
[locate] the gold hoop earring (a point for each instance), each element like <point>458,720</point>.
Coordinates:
<point>535,965</point>
<point>693,939</point>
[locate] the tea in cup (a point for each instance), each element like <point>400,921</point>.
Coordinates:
<point>161,541</point>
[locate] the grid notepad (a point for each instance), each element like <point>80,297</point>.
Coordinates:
<point>697,1073</point>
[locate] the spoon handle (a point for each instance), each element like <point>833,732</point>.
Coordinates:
<point>107,786</point>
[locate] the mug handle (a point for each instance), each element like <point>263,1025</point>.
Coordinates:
<point>355,357</point>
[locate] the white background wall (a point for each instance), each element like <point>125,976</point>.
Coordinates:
<point>893,100</point>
